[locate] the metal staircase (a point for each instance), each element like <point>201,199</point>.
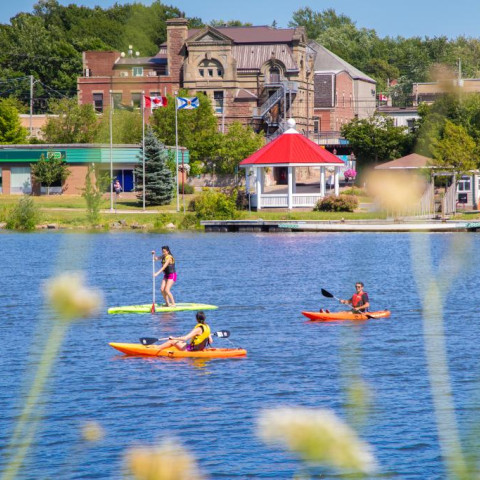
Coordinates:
<point>282,89</point>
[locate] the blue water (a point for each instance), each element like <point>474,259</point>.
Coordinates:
<point>261,283</point>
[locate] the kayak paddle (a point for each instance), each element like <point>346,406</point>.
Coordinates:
<point>152,310</point>
<point>331,295</point>
<point>152,340</point>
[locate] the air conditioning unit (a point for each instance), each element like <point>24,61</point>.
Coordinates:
<point>124,74</point>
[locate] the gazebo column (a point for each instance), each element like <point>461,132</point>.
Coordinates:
<point>336,179</point>
<point>322,181</point>
<point>294,180</point>
<point>258,187</point>
<point>291,177</point>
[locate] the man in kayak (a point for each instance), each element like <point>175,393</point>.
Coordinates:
<point>359,300</point>
<point>169,275</point>
<point>199,337</point>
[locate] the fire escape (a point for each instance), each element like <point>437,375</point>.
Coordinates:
<point>275,102</point>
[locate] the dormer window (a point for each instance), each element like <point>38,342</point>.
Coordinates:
<point>212,67</point>
<point>137,71</point>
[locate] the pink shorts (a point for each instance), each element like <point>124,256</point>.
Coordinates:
<point>171,276</point>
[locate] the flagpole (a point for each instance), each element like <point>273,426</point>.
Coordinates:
<point>176,151</point>
<point>111,149</point>
<point>143,147</point>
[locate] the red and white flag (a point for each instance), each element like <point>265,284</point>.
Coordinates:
<point>382,97</point>
<point>154,102</point>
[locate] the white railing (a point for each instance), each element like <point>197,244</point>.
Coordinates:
<point>274,200</point>
<point>306,199</point>
<point>281,200</point>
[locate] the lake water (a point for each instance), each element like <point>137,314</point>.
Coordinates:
<point>261,282</point>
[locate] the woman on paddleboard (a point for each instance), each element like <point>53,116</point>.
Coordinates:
<point>359,300</point>
<point>169,275</point>
<point>199,337</point>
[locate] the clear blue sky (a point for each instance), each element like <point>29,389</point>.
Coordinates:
<point>407,18</point>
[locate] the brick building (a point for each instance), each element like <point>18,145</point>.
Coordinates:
<point>259,76</point>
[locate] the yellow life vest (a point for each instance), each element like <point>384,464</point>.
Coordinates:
<point>203,337</point>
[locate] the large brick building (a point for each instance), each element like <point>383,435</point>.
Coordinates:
<point>259,76</point>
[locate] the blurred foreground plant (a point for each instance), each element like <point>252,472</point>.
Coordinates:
<point>168,461</point>
<point>318,436</point>
<point>68,296</point>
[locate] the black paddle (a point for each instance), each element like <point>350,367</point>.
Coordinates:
<point>152,340</point>
<point>331,295</point>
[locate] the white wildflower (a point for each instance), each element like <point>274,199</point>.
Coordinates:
<point>318,436</point>
<point>70,298</point>
<point>168,461</point>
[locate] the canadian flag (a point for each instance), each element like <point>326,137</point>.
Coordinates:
<point>154,102</point>
<point>382,97</point>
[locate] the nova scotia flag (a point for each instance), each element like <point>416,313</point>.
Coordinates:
<point>187,103</point>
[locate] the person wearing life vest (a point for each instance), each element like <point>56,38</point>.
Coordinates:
<point>359,300</point>
<point>169,275</point>
<point>198,339</point>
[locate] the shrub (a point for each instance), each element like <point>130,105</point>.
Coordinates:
<point>212,205</point>
<point>187,189</point>
<point>354,191</point>
<point>163,219</point>
<point>93,192</point>
<point>342,203</point>
<point>23,216</point>
<point>189,222</point>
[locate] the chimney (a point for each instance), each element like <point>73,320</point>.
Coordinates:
<point>177,33</point>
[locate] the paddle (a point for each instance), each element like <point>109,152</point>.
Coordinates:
<point>331,295</point>
<point>152,340</point>
<point>152,310</point>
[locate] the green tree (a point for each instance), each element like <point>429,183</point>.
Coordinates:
<point>197,129</point>
<point>11,130</point>
<point>376,139</point>
<point>237,144</point>
<point>456,149</point>
<point>126,127</point>
<point>95,185</point>
<point>72,123</point>
<point>159,182</point>
<point>50,169</point>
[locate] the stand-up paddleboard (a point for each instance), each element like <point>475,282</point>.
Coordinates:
<point>137,349</point>
<point>161,309</point>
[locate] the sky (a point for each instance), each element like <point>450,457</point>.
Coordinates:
<point>408,18</point>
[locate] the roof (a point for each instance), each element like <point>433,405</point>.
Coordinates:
<point>292,148</point>
<point>414,160</point>
<point>254,56</point>
<point>244,94</point>
<point>327,61</point>
<point>257,34</point>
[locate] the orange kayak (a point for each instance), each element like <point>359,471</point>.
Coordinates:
<point>173,352</point>
<point>348,315</point>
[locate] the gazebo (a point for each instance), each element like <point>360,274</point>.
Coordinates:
<point>291,150</point>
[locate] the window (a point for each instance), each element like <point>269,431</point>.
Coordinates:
<point>212,67</point>
<point>316,124</point>
<point>117,100</point>
<point>136,100</point>
<point>464,184</point>
<point>218,101</point>
<point>274,75</point>
<point>137,71</point>
<point>98,102</point>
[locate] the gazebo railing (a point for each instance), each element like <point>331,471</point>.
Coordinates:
<point>276,200</point>
<point>306,199</point>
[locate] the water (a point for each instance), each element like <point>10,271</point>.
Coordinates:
<point>261,283</point>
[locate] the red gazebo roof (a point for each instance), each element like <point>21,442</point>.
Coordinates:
<point>294,149</point>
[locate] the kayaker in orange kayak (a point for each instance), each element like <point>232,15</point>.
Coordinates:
<point>359,300</point>
<point>169,275</point>
<point>199,337</point>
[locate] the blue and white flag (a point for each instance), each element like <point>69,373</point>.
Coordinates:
<point>187,103</point>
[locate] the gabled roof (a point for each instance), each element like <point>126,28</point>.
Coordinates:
<point>327,61</point>
<point>258,34</point>
<point>292,148</point>
<point>207,35</point>
<point>255,56</point>
<point>412,161</point>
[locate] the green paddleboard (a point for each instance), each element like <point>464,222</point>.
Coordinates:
<point>159,309</point>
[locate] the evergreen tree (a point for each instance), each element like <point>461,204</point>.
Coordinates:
<point>159,182</point>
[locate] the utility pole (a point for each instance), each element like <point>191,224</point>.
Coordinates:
<point>31,105</point>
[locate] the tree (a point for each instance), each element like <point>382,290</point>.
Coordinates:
<point>159,182</point>
<point>456,149</point>
<point>93,192</point>
<point>73,123</point>
<point>126,127</point>
<point>50,169</point>
<point>237,144</point>
<point>197,129</point>
<point>11,130</point>
<point>376,139</point>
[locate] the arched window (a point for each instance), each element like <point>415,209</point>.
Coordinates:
<point>274,74</point>
<point>210,68</point>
